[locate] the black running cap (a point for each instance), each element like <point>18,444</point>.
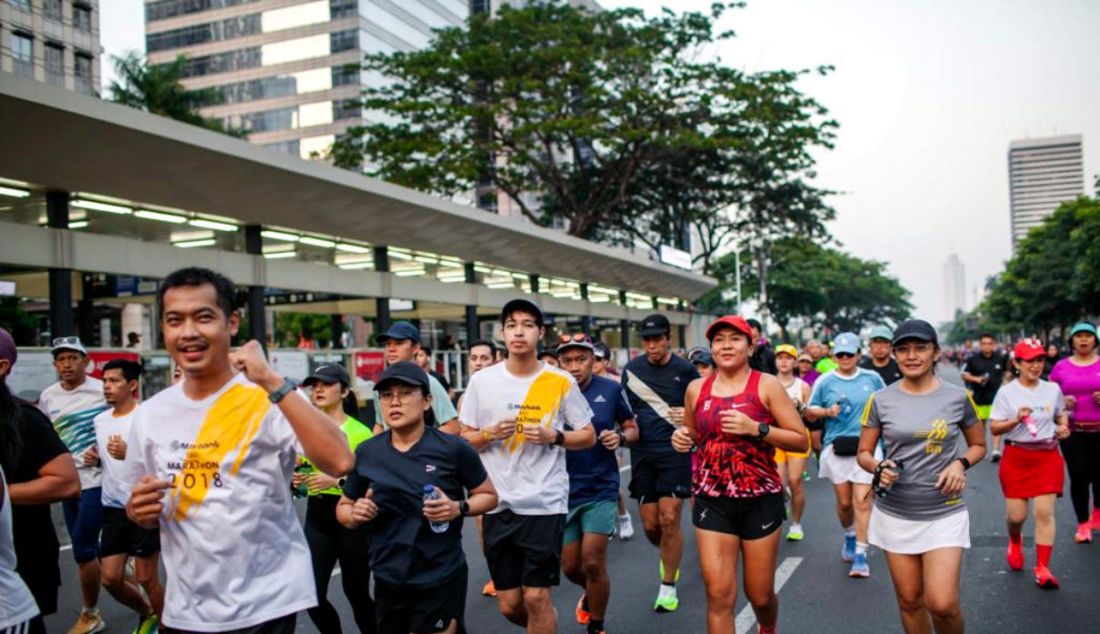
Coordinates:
<point>915,329</point>
<point>405,372</point>
<point>653,325</point>
<point>329,373</point>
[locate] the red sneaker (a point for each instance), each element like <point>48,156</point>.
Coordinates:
<point>1083,534</point>
<point>583,615</point>
<point>1094,521</point>
<point>1044,579</point>
<point>1015,555</point>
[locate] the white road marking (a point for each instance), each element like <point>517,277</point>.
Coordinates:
<point>746,619</point>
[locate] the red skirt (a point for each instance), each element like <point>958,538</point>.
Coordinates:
<point>1028,473</point>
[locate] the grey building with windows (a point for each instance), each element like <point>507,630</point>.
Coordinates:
<point>288,70</point>
<point>52,41</point>
<point>1043,174</point>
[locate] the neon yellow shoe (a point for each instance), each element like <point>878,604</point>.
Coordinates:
<point>667,601</point>
<point>149,625</point>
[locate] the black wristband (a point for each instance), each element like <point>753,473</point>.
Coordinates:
<point>559,438</point>
<point>622,438</point>
<point>965,463</point>
<point>464,508</point>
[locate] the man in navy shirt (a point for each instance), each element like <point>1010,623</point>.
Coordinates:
<point>660,477</point>
<point>593,481</point>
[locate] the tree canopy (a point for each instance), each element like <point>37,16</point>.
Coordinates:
<point>619,124</point>
<point>820,286</point>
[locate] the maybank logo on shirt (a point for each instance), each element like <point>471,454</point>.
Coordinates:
<point>227,431</point>
<point>539,406</point>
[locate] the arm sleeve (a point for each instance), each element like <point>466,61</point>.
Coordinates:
<point>471,472</point>
<point>575,409</point>
<point>1002,409</point>
<point>356,484</point>
<point>870,414</point>
<point>469,413</point>
<point>970,413</point>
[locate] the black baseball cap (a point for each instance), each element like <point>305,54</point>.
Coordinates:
<point>522,306</point>
<point>701,356</point>
<point>915,329</point>
<point>653,325</point>
<point>401,331</point>
<point>601,351</point>
<point>405,372</point>
<point>328,373</point>
<point>548,352</point>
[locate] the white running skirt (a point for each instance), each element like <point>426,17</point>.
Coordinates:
<point>914,537</point>
<point>841,469</point>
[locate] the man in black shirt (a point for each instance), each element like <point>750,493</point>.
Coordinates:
<point>39,472</point>
<point>763,357</point>
<point>660,477</point>
<point>983,373</point>
<point>880,359</point>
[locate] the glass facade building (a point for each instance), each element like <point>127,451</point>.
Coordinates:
<point>288,70</point>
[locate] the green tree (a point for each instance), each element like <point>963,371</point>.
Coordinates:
<point>157,89</point>
<point>617,123</point>
<point>821,286</point>
<point>22,325</point>
<point>290,327</point>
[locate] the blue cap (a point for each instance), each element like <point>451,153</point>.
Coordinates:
<point>401,331</point>
<point>846,342</point>
<point>882,332</point>
<point>1083,326</point>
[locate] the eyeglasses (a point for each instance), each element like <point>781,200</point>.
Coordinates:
<point>402,395</point>
<point>66,341</point>
<point>577,337</point>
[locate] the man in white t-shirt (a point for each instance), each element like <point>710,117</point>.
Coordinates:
<point>215,455</point>
<point>522,415</point>
<point>71,405</point>
<point>121,538</point>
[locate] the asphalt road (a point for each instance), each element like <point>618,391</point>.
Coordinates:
<point>816,593</point>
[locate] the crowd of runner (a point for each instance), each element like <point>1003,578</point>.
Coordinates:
<point>204,474</point>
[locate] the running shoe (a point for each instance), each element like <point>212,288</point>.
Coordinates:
<point>1083,534</point>
<point>996,455</point>
<point>794,533</point>
<point>667,601</point>
<point>860,567</point>
<point>489,590</point>
<point>583,615</point>
<point>1015,555</point>
<point>1094,521</point>
<point>90,622</point>
<point>148,625</point>
<point>848,552</point>
<point>1044,579</point>
<point>626,527</point>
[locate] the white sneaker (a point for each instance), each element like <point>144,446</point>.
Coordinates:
<point>626,527</point>
<point>89,622</point>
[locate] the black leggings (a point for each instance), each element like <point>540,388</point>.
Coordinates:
<point>1082,453</point>
<point>330,542</point>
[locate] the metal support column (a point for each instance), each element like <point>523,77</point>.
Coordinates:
<point>382,304</point>
<point>624,324</point>
<point>534,279</point>
<point>586,319</point>
<point>257,319</point>
<point>61,280</point>
<point>473,325</point>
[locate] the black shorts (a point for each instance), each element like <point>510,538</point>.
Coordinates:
<point>120,536</point>
<point>282,625</point>
<point>523,550</point>
<point>401,609</point>
<point>660,476</point>
<point>748,518</point>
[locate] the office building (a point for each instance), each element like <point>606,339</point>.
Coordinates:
<point>1042,174</point>
<point>954,286</point>
<point>52,41</point>
<point>289,71</point>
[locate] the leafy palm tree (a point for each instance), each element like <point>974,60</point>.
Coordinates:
<point>157,89</point>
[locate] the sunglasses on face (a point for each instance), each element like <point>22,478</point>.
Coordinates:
<point>844,355</point>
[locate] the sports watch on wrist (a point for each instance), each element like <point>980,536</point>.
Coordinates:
<point>464,508</point>
<point>763,428</point>
<point>559,438</point>
<point>287,387</point>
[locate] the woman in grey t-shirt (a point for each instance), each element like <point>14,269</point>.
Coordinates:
<point>920,521</point>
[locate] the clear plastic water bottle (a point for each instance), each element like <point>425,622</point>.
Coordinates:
<point>430,493</point>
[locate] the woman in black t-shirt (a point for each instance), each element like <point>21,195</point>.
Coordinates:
<point>416,544</point>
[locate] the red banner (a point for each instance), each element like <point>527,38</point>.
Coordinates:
<point>100,358</point>
<point>369,364</point>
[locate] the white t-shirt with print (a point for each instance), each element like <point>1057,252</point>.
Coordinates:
<point>72,413</point>
<point>234,551</point>
<point>530,479</point>
<point>1045,401</point>
<point>116,483</point>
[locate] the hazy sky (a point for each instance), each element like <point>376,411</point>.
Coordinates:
<point>928,95</point>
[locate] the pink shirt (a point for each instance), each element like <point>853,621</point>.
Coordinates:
<point>1080,381</point>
